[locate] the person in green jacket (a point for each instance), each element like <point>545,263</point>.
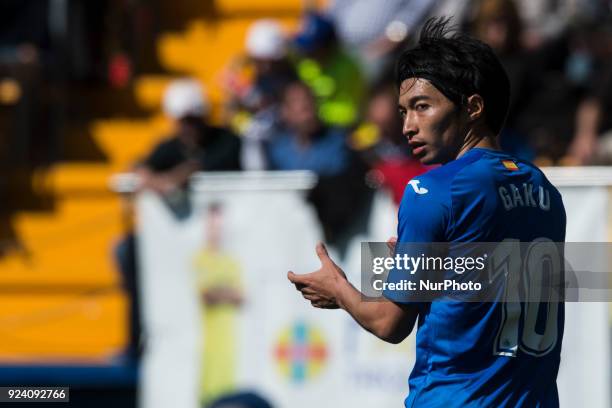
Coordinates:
<point>333,75</point>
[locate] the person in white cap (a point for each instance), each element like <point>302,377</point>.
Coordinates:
<point>266,48</point>
<point>185,97</point>
<point>194,146</point>
<point>255,104</point>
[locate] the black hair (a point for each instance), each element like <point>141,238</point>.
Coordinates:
<point>458,66</point>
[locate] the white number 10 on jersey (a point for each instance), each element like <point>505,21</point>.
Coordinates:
<point>529,278</point>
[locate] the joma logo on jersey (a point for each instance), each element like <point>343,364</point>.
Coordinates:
<point>416,188</point>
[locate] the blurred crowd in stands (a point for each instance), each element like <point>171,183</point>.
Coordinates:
<point>320,98</point>
<point>323,98</point>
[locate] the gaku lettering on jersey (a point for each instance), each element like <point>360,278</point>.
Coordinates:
<point>513,196</point>
<point>416,188</point>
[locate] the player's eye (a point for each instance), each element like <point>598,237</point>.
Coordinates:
<point>402,113</point>
<point>421,107</point>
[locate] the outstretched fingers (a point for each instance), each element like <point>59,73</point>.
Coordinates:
<point>300,282</point>
<point>311,296</point>
<point>295,279</point>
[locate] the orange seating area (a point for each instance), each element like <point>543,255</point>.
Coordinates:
<point>63,297</point>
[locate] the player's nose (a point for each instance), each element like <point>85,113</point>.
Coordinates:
<point>410,128</point>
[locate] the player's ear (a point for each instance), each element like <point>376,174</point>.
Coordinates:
<point>475,107</point>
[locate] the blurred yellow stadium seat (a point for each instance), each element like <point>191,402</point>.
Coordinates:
<point>87,327</point>
<point>64,300</point>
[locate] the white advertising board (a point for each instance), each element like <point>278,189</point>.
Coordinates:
<point>294,355</point>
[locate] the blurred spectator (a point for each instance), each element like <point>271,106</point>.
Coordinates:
<point>591,142</point>
<point>497,23</point>
<point>28,64</point>
<point>266,47</point>
<point>548,82</point>
<point>564,72</point>
<point>375,28</point>
<point>305,143</point>
<point>458,10</point>
<point>196,145</point>
<point>29,113</point>
<point>253,102</point>
<point>255,80</point>
<point>546,20</point>
<point>383,145</point>
<point>333,75</point>
<point>583,149</point>
<point>126,262</point>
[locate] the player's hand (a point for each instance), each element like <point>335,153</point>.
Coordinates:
<point>320,287</point>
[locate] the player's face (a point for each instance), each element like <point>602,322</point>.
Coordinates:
<point>433,125</point>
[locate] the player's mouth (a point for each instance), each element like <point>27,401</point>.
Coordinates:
<point>418,148</point>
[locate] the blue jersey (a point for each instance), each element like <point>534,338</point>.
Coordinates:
<point>484,196</point>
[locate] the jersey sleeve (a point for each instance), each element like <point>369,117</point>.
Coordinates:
<point>424,217</point>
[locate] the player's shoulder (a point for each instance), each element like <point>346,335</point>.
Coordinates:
<point>485,167</point>
<point>440,179</point>
<point>477,172</point>
<point>488,169</point>
<point>431,191</point>
<point>499,166</point>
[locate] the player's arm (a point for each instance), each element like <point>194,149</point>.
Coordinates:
<point>328,288</point>
<point>389,321</point>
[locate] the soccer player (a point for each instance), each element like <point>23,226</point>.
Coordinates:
<point>453,97</point>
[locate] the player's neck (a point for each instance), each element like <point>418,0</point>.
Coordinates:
<point>483,139</point>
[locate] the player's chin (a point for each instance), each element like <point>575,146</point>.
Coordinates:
<point>431,157</point>
<point>426,157</point>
